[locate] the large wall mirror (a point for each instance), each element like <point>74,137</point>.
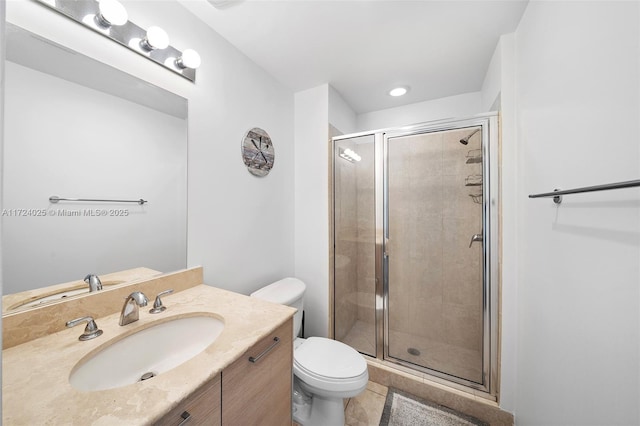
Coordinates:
<point>77,128</point>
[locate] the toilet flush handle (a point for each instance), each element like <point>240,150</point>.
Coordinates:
<point>276,340</point>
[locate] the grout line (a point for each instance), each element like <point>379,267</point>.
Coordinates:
<point>379,393</point>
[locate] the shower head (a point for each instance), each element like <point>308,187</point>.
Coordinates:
<point>465,141</point>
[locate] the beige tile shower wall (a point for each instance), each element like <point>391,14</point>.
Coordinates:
<point>435,279</point>
<point>462,218</point>
<point>366,232</point>
<point>346,246</point>
<point>416,235</point>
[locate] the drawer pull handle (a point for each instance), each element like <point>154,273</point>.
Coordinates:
<point>276,340</point>
<point>185,418</point>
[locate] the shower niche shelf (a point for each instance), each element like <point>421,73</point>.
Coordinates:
<point>473,180</point>
<point>474,156</point>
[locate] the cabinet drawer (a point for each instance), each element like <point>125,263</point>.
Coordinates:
<point>200,408</point>
<point>256,388</point>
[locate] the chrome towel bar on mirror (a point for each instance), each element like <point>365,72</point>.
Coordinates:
<point>54,199</point>
<point>557,193</point>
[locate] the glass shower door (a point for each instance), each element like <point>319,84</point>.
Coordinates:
<point>434,318</point>
<point>354,255</point>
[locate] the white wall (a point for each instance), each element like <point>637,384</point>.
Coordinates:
<point>578,109</point>
<point>490,92</point>
<point>315,110</point>
<point>239,226</point>
<point>510,198</point>
<point>341,115</point>
<point>312,205</point>
<point>68,140</point>
<point>2,57</point>
<point>498,91</point>
<point>465,105</point>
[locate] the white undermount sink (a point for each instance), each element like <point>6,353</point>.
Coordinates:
<point>146,353</point>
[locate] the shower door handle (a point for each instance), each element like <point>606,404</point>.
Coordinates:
<point>474,238</point>
<point>385,251</point>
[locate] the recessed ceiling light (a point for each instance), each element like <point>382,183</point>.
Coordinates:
<point>398,91</point>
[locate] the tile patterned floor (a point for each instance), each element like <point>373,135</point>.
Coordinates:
<point>366,408</point>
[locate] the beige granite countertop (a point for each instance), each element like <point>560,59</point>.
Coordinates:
<point>19,301</point>
<point>35,385</point>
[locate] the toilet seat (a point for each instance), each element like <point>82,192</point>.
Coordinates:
<point>330,365</point>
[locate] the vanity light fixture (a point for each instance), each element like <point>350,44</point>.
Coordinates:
<point>156,38</point>
<point>398,91</point>
<point>110,18</point>
<point>349,155</point>
<point>111,12</point>
<point>189,59</point>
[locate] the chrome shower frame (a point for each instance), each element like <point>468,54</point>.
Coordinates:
<point>490,304</point>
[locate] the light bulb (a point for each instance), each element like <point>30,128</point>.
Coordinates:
<point>156,38</point>
<point>189,59</point>
<point>112,12</point>
<point>398,91</point>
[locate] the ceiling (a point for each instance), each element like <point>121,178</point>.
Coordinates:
<point>365,48</point>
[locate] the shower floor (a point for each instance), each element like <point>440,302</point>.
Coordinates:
<point>450,359</point>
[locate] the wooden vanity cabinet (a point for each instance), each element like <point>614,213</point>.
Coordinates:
<point>200,408</point>
<point>256,388</point>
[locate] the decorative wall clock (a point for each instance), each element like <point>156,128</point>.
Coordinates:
<point>257,152</point>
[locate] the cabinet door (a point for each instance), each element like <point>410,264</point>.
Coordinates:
<point>200,408</point>
<point>256,389</point>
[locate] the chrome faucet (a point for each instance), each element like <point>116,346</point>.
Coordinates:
<point>474,238</point>
<point>94,282</point>
<point>130,310</point>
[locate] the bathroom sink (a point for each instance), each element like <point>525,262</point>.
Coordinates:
<point>146,353</point>
<point>80,289</point>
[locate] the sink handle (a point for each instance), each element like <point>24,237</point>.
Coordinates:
<point>91,331</point>
<point>157,305</point>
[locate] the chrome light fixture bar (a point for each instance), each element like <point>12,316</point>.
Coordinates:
<point>109,18</point>
<point>349,155</point>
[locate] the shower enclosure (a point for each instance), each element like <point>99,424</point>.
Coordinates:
<point>415,248</point>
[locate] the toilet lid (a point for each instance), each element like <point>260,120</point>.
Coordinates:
<point>329,358</point>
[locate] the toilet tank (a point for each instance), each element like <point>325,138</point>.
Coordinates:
<point>287,291</point>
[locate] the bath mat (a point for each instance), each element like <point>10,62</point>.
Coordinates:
<point>403,409</point>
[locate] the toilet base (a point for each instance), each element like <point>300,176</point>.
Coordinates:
<point>321,411</point>
<point>324,406</point>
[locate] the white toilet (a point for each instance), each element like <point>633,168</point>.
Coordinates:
<point>325,371</point>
